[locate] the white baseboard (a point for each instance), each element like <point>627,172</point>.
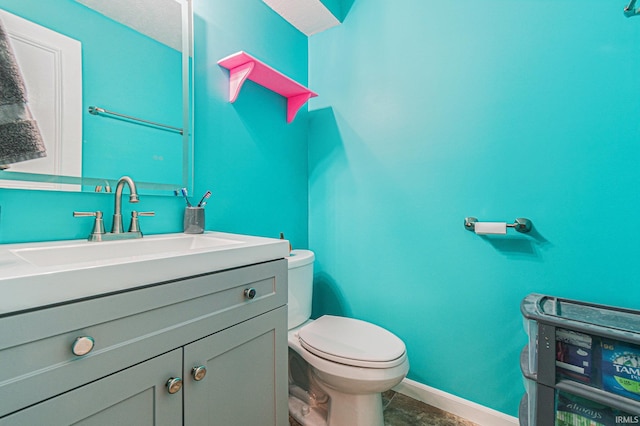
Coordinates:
<point>455,405</point>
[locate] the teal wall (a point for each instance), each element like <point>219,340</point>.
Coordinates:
<point>339,8</point>
<point>245,153</point>
<point>431,111</point>
<point>335,7</point>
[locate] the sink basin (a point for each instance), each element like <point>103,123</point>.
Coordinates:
<point>36,275</point>
<point>81,252</point>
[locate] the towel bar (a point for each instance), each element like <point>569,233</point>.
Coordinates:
<point>97,110</point>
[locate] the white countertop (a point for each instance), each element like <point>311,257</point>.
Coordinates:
<point>34,275</point>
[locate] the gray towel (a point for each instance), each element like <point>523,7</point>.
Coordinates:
<point>20,138</point>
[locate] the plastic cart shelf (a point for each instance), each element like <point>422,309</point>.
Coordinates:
<point>546,315</point>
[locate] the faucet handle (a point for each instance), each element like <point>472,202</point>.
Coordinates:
<point>98,224</point>
<point>106,187</point>
<point>135,225</point>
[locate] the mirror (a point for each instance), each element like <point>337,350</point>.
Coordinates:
<point>110,85</point>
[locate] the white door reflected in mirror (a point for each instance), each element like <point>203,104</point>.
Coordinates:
<point>49,62</point>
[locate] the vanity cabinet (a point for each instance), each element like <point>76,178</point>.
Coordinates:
<point>247,359</point>
<point>231,324</point>
<point>134,396</point>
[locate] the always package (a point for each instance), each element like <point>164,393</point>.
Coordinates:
<point>575,411</point>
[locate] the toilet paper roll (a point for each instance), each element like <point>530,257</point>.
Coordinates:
<point>484,228</point>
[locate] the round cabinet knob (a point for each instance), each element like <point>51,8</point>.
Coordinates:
<point>250,293</point>
<point>82,345</point>
<point>174,385</point>
<point>199,372</point>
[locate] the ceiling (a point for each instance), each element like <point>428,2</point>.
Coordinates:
<point>308,16</point>
<point>158,19</point>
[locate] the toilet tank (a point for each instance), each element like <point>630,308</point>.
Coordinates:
<point>300,286</point>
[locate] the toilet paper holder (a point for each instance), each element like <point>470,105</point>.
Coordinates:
<point>521,224</point>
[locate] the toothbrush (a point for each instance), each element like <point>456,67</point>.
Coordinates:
<point>203,201</point>
<point>183,191</point>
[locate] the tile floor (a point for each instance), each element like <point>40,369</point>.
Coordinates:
<point>401,410</point>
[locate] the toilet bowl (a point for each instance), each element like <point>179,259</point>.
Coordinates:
<point>338,367</point>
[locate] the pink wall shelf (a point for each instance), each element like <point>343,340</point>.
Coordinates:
<point>242,66</point>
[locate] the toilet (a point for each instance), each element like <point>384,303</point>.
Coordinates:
<point>338,367</point>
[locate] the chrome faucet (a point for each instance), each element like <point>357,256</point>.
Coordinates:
<point>117,233</point>
<point>116,227</point>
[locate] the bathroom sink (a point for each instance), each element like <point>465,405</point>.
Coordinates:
<point>35,275</point>
<point>81,252</point>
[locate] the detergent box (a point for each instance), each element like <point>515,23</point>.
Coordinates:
<point>621,368</point>
<point>574,353</point>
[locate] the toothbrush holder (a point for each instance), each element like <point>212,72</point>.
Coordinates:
<point>194,220</point>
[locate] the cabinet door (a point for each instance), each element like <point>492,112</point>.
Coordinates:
<point>246,379</point>
<point>134,396</point>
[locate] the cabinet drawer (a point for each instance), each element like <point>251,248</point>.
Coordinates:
<point>128,328</point>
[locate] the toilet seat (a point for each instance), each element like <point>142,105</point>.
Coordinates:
<point>352,342</point>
